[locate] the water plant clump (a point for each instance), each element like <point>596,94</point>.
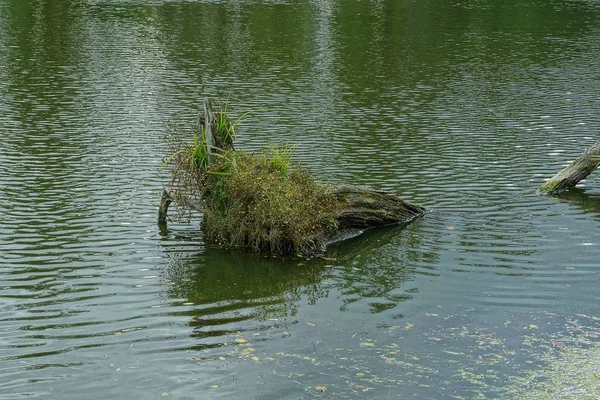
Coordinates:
<point>262,201</point>
<point>257,201</point>
<point>252,201</point>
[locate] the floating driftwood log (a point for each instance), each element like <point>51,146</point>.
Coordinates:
<point>575,172</point>
<point>264,203</point>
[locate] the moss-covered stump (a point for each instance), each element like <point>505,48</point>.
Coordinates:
<point>575,172</point>
<point>348,208</point>
<point>262,202</point>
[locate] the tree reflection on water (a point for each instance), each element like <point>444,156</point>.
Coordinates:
<point>228,288</point>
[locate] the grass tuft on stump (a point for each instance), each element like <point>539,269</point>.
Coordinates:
<point>256,201</point>
<point>262,201</point>
<point>252,201</point>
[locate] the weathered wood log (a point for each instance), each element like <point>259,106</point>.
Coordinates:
<point>368,208</point>
<point>360,207</point>
<point>572,174</point>
<point>207,125</point>
<point>214,140</point>
<point>163,208</point>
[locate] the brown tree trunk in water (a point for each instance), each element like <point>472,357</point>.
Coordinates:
<point>367,208</point>
<point>572,174</point>
<point>208,131</point>
<point>163,208</point>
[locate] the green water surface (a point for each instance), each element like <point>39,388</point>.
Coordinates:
<point>464,106</point>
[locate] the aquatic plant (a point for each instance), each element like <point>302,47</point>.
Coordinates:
<point>263,201</point>
<point>255,206</point>
<point>280,157</point>
<point>256,201</point>
<point>225,126</point>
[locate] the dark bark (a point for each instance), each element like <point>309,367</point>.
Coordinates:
<point>163,209</point>
<point>208,129</point>
<point>572,174</point>
<point>364,208</point>
<point>214,140</point>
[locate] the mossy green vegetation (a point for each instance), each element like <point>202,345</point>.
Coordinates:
<point>262,201</point>
<point>258,202</point>
<point>548,187</point>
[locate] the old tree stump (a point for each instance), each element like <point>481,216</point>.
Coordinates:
<point>356,208</point>
<point>362,208</point>
<point>575,172</point>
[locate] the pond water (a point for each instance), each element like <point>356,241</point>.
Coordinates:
<point>462,106</point>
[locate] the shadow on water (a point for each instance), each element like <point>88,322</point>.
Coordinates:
<point>219,275</point>
<point>587,202</point>
<point>347,250</point>
<point>379,266</point>
<point>228,291</point>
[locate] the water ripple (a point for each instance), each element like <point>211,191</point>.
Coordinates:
<point>92,291</point>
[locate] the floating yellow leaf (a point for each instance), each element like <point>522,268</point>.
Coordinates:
<point>450,228</point>
<point>164,394</point>
<point>360,374</point>
<point>247,351</point>
<point>408,325</point>
<point>367,344</point>
<point>320,388</point>
<point>241,341</point>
